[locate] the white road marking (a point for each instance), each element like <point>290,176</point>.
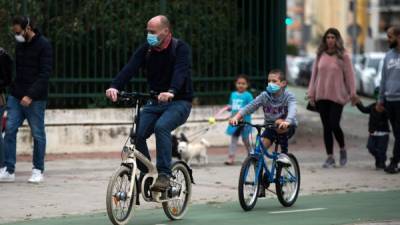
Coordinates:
<point>298,210</point>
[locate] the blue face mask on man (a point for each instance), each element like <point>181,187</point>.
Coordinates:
<point>153,40</point>
<point>273,88</point>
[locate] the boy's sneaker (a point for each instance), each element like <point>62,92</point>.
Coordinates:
<point>379,165</point>
<point>329,162</point>
<point>37,176</point>
<point>392,168</point>
<point>343,157</point>
<point>6,177</point>
<point>283,159</point>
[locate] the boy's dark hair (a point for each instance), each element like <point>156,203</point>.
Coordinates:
<point>24,21</point>
<point>243,76</point>
<point>281,74</point>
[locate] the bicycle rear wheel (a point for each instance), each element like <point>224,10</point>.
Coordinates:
<point>180,192</point>
<point>119,206</point>
<point>248,184</point>
<point>288,182</point>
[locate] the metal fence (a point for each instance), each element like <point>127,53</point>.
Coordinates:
<point>94,39</point>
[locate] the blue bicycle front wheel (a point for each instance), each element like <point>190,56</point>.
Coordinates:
<point>249,183</point>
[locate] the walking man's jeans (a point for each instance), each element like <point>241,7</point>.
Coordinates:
<point>393,108</point>
<point>16,114</point>
<point>161,119</point>
<point>2,108</point>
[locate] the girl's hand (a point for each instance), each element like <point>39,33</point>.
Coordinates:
<point>233,121</point>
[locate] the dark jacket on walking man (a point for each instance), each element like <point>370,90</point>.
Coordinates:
<point>6,64</point>
<point>28,98</point>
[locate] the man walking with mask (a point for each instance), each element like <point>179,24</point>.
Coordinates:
<point>166,61</point>
<point>389,96</point>
<point>28,98</point>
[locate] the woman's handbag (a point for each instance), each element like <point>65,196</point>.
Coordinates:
<point>312,108</point>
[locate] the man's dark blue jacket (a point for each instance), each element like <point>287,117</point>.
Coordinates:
<point>166,70</point>
<point>34,63</point>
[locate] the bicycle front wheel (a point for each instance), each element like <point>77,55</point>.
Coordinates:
<point>288,182</point>
<point>248,184</point>
<point>119,205</point>
<point>179,193</point>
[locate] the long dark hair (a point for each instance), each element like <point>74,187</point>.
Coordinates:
<point>339,48</point>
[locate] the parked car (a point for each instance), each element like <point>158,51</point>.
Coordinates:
<point>359,61</point>
<point>293,67</point>
<point>305,70</point>
<point>371,73</point>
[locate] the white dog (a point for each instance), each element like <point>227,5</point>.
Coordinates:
<point>190,151</point>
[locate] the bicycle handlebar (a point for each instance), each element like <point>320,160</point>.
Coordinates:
<point>258,126</point>
<point>132,96</point>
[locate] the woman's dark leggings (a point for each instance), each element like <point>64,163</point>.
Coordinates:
<point>331,113</point>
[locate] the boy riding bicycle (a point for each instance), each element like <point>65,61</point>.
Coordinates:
<point>279,106</point>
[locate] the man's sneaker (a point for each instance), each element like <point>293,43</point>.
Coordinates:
<point>392,168</point>
<point>5,176</point>
<point>329,162</point>
<point>3,169</point>
<point>343,157</point>
<point>161,184</point>
<point>37,176</point>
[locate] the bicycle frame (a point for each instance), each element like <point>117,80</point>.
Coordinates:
<point>259,152</point>
<point>134,155</point>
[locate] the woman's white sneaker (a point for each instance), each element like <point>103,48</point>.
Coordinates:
<point>37,176</point>
<point>5,176</point>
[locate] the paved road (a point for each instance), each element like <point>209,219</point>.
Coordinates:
<point>332,209</point>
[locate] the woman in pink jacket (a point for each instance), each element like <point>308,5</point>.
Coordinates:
<point>332,85</point>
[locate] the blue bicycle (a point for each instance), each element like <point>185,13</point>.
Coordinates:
<point>256,177</point>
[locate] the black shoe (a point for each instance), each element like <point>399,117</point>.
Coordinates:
<point>261,192</point>
<point>162,183</point>
<point>343,157</point>
<point>392,168</point>
<point>380,165</point>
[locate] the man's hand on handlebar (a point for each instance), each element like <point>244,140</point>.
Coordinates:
<point>112,94</point>
<point>165,96</point>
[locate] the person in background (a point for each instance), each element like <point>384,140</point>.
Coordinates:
<point>28,96</point>
<point>331,87</point>
<point>378,128</point>
<point>238,100</point>
<point>389,95</point>
<point>5,80</point>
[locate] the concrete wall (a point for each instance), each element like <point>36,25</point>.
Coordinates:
<point>105,130</point>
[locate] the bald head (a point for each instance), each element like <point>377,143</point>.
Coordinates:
<point>160,21</point>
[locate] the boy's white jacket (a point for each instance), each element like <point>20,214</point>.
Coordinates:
<point>280,107</point>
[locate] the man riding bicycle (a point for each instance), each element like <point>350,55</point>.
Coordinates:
<point>167,66</point>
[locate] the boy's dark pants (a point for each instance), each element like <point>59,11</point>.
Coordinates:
<point>377,146</point>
